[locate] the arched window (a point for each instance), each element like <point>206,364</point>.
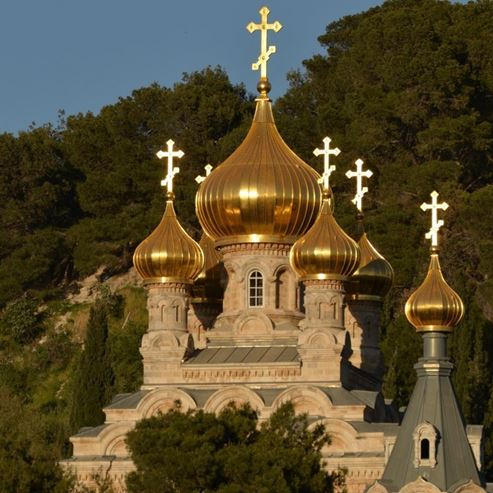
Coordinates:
<point>426,439</point>
<point>425,449</point>
<point>255,289</point>
<point>282,290</point>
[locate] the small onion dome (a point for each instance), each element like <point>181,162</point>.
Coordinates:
<point>263,192</point>
<point>168,254</point>
<point>209,284</point>
<point>434,306</point>
<point>326,251</point>
<point>374,276</point>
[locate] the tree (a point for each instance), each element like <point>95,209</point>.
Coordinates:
<point>27,456</point>
<point>228,452</point>
<point>94,377</point>
<point>21,321</point>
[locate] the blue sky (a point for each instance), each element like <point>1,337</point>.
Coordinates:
<point>79,55</point>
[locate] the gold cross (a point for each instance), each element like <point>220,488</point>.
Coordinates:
<point>171,171</point>
<point>328,169</point>
<point>265,52</point>
<point>360,189</point>
<point>436,224</point>
<point>208,168</point>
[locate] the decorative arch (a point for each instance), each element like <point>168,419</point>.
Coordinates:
<point>253,323</point>
<point>308,400</point>
<point>377,487</point>
<point>284,286</point>
<point>171,308</point>
<point>343,436</point>
<point>236,393</point>
<point>420,486</point>
<point>162,400</point>
<point>425,438</point>
<point>320,339</point>
<point>112,439</point>
<point>469,487</point>
<point>163,339</point>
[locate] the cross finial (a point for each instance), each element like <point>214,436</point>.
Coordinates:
<point>171,171</point>
<point>199,179</point>
<point>436,223</point>
<point>328,169</point>
<point>360,189</point>
<point>265,52</point>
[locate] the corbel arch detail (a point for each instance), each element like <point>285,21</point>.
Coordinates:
<point>162,400</point>
<point>420,486</point>
<point>236,394</point>
<point>343,436</point>
<point>469,487</point>
<point>112,439</point>
<point>308,400</point>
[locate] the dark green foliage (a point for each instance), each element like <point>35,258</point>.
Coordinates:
<point>85,194</point>
<point>488,438</point>
<point>56,351</point>
<point>93,384</point>
<point>202,452</point>
<point>20,321</point>
<point>126,360</point>
<point>27,450</point>
<point>401,348</point>
<point>119,194</point>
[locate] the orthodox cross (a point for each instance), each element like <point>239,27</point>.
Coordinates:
<point>208,168</point>
<point>171,171</point>
<point>328,169</point>
<point>265,52</point>
<point>436,224</point>
<point>359,174</point>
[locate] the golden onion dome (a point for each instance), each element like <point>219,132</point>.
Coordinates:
<point>209,284</point>
<point>263,192</point>
<point>168,254</point>
<point>325,251</point>
<point>434,306</point>
<point>374,276</point>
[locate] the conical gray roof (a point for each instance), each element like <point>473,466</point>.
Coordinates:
<point>434,405</point>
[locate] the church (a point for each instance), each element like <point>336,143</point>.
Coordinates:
<point>277,303</point>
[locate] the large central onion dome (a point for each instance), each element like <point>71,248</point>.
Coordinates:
<point>325,251</point>
<point>168,254</point>
<point>263,192</point>
<point>434,306</point>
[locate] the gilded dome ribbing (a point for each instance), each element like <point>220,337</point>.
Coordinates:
<point>168,254</point>
<point>434,306</point>
<point>263,192</point>
<point>209,284</point>
<point>374,276</point>
<point>325,251</point>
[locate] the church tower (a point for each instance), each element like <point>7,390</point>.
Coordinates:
<point>432,453</point>
<point>366,289</point>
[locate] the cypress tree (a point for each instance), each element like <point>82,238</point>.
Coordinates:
<point>94,376</point>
